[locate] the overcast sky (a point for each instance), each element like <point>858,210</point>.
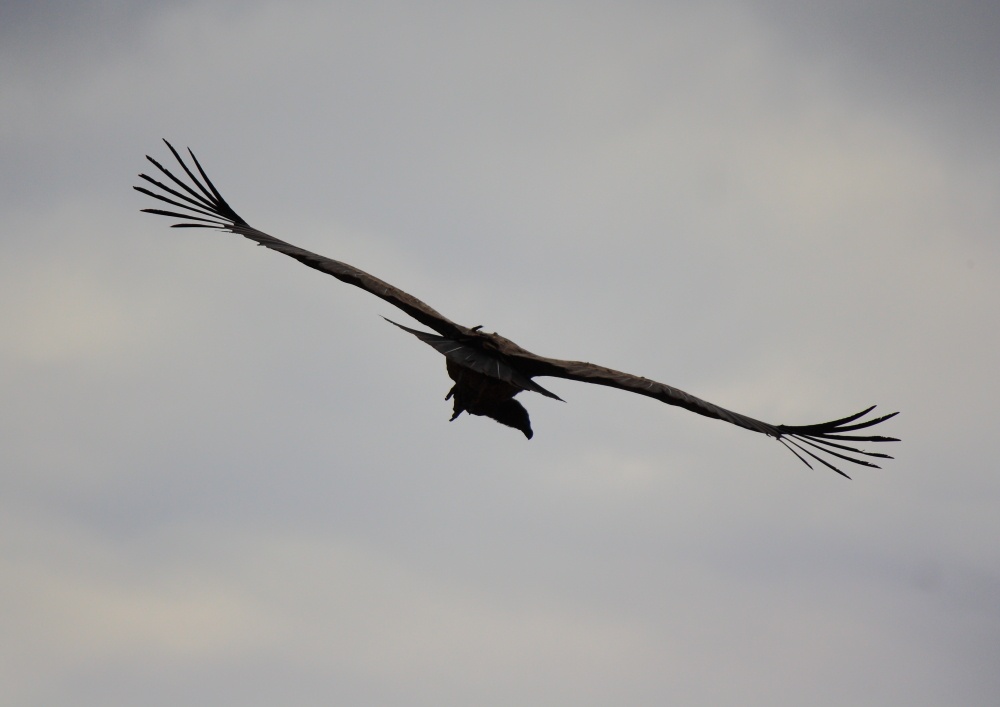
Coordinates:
<point>225,480</point>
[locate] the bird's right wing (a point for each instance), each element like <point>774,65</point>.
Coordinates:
<point>202,206</point>
<point>827,438</point>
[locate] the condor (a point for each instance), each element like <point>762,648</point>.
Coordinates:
<point>488,369</point>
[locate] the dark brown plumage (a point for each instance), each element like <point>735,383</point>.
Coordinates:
<point>488,369</point>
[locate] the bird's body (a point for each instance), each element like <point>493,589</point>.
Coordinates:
<point>488,370</point>
<point>480,394</point>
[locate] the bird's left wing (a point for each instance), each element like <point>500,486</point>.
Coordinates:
<point>827,438</point>
<point>202,206</point>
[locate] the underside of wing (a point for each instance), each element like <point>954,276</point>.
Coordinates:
<point>826,438</point>
<point>198,204</point>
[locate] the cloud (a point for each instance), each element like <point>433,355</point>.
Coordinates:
<point>226,479</point>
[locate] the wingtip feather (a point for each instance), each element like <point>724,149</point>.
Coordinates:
<point>827,438</point>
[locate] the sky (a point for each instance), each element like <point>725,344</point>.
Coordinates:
<point>224,479</point>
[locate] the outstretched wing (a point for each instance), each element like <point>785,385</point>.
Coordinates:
<point>202,206</point>
<point>803,441</point>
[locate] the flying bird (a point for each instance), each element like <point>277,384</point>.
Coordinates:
<point>489,370</point>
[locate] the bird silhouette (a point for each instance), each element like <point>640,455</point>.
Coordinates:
<point>489,370</point>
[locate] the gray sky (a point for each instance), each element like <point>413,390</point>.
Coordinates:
<point>225,480</point>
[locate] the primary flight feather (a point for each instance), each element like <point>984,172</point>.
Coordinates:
<point>489,370</point>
